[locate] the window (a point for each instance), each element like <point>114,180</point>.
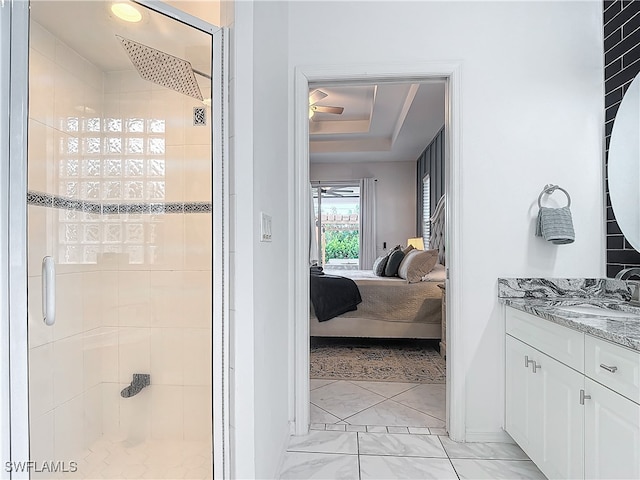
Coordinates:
<point>339,225</point>
<point>426,210</point>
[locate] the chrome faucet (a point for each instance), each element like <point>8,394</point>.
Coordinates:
<point>626,274</point>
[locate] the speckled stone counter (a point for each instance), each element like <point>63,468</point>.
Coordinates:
<point>544,297</point>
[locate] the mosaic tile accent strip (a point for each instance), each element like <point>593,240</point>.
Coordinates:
<point>563,287</point>
<point>40,199</point>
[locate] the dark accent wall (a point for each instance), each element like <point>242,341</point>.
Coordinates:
<point>621,65</point>
<point>431,161</point>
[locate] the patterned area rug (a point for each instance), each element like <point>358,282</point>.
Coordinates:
<point>416,361</point>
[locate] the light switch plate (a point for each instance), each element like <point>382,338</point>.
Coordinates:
<point>265,227</point>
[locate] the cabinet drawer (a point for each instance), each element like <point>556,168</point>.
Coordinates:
<point>562,343</point>
<point>602,356</point>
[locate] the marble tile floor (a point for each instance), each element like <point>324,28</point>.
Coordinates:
<point>114,458</point>
<point>363,406</point>
<point>388,430</point>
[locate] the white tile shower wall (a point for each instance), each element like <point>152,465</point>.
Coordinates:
<point>116,317</point>
<point>163,306</point>
<point>64,359</point>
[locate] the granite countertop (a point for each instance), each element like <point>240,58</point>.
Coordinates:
<point>541,297</point>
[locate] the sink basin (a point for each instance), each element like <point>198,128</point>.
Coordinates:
<point>597,310</point>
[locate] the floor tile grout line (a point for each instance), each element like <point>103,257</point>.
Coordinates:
<point>401,456</point>
<point>312,389</point>
<point>360,411</point>
<point>326,411</point>
<point>377,393</point>
<point>358,450</point>
<point>321,453</point>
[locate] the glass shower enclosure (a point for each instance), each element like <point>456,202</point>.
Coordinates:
<point>120,161</point>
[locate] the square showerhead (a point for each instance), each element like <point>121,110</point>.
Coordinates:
<point>163,69</point>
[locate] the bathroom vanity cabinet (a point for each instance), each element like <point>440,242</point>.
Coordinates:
<point>572,399</point>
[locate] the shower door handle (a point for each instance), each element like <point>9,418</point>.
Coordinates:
<point>48,291</point>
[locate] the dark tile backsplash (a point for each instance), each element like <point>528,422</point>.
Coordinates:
<point>622,63</point>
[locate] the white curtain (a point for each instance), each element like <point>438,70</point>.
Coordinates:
<point>313,231</point>
<point>368,252</point>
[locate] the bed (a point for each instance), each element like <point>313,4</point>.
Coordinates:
<point>390,308</point>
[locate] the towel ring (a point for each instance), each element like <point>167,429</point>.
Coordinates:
<point>549,189</point>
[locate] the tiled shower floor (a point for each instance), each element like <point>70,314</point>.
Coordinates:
<point>150,459</point>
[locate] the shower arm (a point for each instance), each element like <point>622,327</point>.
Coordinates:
<point>201,73</point>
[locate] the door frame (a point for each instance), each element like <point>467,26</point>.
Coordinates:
<point>14,373</point>
<point>299,188</point>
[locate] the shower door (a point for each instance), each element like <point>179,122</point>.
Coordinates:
<point>123,188</point>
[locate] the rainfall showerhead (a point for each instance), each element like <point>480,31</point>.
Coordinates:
<point>163,69</point>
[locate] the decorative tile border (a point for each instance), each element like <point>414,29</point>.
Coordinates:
<point>40,199</point>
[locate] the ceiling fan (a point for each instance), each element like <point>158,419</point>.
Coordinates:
<point>335,192</point>
<point>314,98</point>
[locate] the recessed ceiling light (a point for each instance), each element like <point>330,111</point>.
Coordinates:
<point>126,12</point>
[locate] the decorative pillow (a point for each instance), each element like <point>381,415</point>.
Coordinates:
<point>437,274</point>
<point>391,270</point>
<point>416,264</point>
<point>407,249</point>
<point>379,265</point>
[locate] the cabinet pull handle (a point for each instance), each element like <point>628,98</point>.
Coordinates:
<point>584,397</point>
<point>608,368</point>
<point>536,366</point>
<point>527,361</point>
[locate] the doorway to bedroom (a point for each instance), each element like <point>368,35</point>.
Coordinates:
<point>379,367</point>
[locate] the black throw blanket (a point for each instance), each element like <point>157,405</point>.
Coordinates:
<point>332,295</point>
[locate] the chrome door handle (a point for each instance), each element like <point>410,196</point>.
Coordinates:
<point>48,291</point>
<point>584,397</point>
<point>608,368</point>
<point>536,366</point>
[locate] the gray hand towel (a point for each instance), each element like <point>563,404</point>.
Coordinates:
<point>555,225</point>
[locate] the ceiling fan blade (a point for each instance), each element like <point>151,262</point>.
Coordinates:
<point>316,96</point>
<point>327,109</point>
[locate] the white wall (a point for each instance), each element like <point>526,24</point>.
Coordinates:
<point>259,158</point>
<point>532,113</point>
<point>395,195</point>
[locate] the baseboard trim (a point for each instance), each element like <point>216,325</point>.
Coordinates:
<point>488,437</point>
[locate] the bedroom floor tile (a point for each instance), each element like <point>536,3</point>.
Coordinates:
<point>343,399</point>
<point>427,398</point>
<point>390,413</point>
<point>317,383</point>
<point>386,389</point>
<point>318,415</point>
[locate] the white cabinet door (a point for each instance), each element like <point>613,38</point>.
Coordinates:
<point>543,411</point>
<point>560,418</point>
<point>612,434</point>
<point>519,395</point>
